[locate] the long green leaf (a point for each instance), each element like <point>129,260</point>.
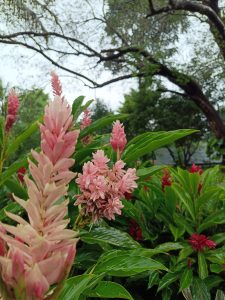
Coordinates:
<point>101,123</point>
<point>108,289</point>
<point>76,107</point>
<point>150,141</point>
<point>167,280</point>
<point>108,235</point>
<point>12,169</point>
<point>75,286</point>
<point>124,265</point>
<point>21,138</point>
<point>202,266</point>
<point>186,279</point>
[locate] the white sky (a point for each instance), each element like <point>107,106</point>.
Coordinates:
<point>21,67</point>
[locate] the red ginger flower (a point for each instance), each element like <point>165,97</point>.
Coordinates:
<point>118,137</point>
<point>166,180</point>
<point>196,169</point>
<point>200,241</point>
<point>20,174</point>
<point>13,106</point>
<point>135,230</point>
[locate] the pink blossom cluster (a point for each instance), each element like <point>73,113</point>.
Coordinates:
<point>12,110</point>
<point>39,251</point>
<point>103,187</point>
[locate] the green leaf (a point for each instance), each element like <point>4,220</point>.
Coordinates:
<point>167,280</point>
<point>124,265</point>
<point>185,198</point>
<point>11,207</point>
<point>149,171</point>
<point>150,141</point>
<point>220,295</point>
<point>86,105</point>
<point>108,235</point>
<point>182,222</point>
<point>184,253</point>
<point>22,137</point>
<point>216,268</point>
<point>212,220</point>
<point>199,290</point>
<point>166,247</point>
<point>153,279</point>
<point>202,266</point>
<point>16,188</point>
<point>75,286</point>
<point>108,289</point>
<point>98,124</point>
<point>76,107</point>
<point>176,231</point>
<point>12,169</point>
<point>186,279</point>
<point>213,281</point>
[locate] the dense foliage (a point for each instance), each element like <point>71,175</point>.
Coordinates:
<point>140,231</point>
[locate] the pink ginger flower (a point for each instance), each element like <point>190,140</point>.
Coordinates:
<point>13,107</point>
<point>86,121</point>
<point>102,188</point>
<point>39,252</point>
<point>56,84</point>
<point>118,138</point>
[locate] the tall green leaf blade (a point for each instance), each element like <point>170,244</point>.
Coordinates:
<point>199,290</point>
<point>220,295</point>
<point>12,169</point>
<point>167,279</point>
<point>150,141</point>
<point>16,188</point>
<point>76,107</point>
<point>108,289</point>
<point>75,286</point>
<point>21,138</point>
<point>202,266</point>
<point>186,279</point>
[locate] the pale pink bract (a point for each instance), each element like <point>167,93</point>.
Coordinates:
<point>39,252</point>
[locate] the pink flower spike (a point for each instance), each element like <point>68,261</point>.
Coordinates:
<point>13,106</point>
<point>56,84</point>
<point>17,264</point>
<point>118,137</point>
<point>86,121</point>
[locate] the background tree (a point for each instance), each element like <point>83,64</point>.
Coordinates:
<point>100,109</point>
<point>150,110</point>
<point>140,42</point>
